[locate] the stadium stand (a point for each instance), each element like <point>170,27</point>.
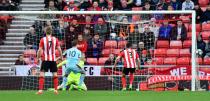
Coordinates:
<point>165,51</point>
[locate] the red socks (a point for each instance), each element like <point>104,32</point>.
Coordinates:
<point>131,79</point>
<point>123,82</point>
<point>41,83</point>
<point>55,80</point>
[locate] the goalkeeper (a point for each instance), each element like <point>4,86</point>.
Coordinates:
<point>74,64</point>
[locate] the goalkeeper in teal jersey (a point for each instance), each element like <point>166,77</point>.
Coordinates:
<point>74,64</point>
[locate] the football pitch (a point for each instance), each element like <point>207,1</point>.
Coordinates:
<point>104,96</point>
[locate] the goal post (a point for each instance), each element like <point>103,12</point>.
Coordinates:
<point>193,26</point>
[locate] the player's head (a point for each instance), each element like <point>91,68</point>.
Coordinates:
<point>48,30</point>
<point>128,45</point>
<point>74,43</point>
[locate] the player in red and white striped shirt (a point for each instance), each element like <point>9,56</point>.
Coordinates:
<point>48,45</point>
<point>131,60</point>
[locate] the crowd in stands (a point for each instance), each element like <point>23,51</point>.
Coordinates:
<point>93,32</point>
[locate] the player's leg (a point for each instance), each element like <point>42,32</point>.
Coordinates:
<point>131,77</point>
<point>64,82</point>
<point>124,73</point>
<point>53,69</point>
<point>44,68</point>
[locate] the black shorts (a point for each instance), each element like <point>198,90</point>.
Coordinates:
<point>126,71</point>
<point>49,65</point>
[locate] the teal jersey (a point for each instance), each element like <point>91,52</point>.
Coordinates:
<point>73,56</point>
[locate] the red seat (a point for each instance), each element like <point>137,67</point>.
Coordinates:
<point>102,60</point>
<point>189,35</point>
<point>198,27</point>
<point>206,61</point>
<point>184,52</point>
<point>187,26</point>
<point>117,51</point>
<point>183,61</point>
<point>187,44</point>
<point>158,60</point>
<point>159,52</point>
<point>29,53</point>
<point>111,44</point>
<point>205,27</point>
<point>92,61</point>
<point>173,52</point>
<point>162,44</point>
<point>203,3</point>
<point>106,52</point>
<point>122,44</point>
<point>170,61</point>
<point>199,61</point>
<point>205,35</point>
<point>176,44</point>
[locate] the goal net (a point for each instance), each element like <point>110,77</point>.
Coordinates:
<point>165,42</point>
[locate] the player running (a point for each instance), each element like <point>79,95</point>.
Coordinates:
<point>74,63</point>
<point>130,57</point>
<point>48,45</point>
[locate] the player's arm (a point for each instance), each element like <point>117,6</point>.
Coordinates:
<point>62,63</point>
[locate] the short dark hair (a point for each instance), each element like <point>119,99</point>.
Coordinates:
<point>128,45</point>
<point>74,43</point>
<point>49,30</point>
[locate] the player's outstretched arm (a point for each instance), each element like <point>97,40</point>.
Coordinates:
<point>62,63</point>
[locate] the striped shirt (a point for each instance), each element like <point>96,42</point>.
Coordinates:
<point>49,44</point>
<point>129,56</point>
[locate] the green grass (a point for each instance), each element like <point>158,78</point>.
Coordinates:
<point>104,96</point>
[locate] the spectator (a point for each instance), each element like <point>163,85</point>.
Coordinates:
<point>159,16</point>
<point>78,28</point>
<point>102,4</point>
<point>187,5</point>
<point>201,45</point>
<point>147,7</point>
<point>95,46</point>
<point>101,28</point>
<point>4,5</point>
<point>94,7</point>
<point>60,30</point>
<point>206,15</point>
<point>51,7</point>
<point>71,7</point>
<point>3,29</point>
<point>33,71</point>
<point>87,34</point>
<point>84,5</point>
<point>165,31</point>
<point>154,28</point>
<point>88,23</point>
<point>82,44</point>
<point>199,13</point>
<point>179,32</point>
<point>110,60</point>
<point>143,57</point>
<point>148,38</point>
<point>207,49</point>
<point>110,6</point>
<point>70,36</point>
<point>61,4</point>
<point>123,5</point>
<point>30,40</point>
<point>140,47</point>
<point>20,61</point>
<point>176,4</point>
